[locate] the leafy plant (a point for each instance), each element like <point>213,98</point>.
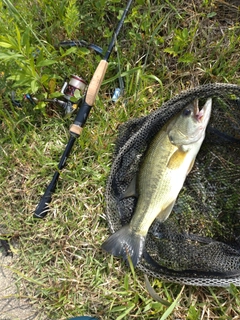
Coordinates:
<point>180,43</point>
<point>25,61</point>
<point>71,20</point>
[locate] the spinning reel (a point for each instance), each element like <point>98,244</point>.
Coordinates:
<point>70,87</point>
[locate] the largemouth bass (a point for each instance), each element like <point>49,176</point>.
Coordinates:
<point>168,160</point>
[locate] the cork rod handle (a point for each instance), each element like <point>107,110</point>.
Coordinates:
<point>96,82</point>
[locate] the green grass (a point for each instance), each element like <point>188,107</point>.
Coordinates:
<point>163,48</point>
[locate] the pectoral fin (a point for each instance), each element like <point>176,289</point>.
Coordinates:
<point>131,190</point>
<point>176,159</point>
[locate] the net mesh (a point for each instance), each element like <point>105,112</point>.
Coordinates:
<point>199,244</point>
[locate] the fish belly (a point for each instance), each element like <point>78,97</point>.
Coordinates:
<point>161,178</point>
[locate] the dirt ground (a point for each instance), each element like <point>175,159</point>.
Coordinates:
<point>12,307</point>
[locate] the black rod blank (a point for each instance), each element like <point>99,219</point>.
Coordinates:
<point>81,117</point>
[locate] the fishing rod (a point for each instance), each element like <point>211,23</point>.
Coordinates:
<point>81,118</point>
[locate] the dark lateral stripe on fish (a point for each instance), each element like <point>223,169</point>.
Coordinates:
<point>124,243</point>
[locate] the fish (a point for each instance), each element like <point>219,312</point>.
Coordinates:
<point>168,160</point>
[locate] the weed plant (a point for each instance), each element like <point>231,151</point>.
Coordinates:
<point>164,47</point>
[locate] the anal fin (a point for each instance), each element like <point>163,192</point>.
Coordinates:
<point>163,215</point>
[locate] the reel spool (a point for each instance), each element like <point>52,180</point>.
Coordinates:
<point>75,83</point>
<point>69,89</point>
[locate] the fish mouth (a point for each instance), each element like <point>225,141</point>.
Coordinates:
<point>202,115</point>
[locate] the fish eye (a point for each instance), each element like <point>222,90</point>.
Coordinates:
<point>186,112</point>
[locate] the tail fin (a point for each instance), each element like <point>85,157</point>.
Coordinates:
<point>125,243</point>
